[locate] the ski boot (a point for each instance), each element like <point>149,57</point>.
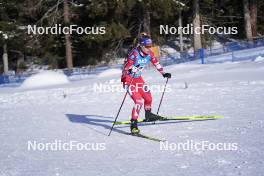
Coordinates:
<point>134,127</point>
<point>150,117</point>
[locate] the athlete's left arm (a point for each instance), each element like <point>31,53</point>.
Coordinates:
<point>156,63</point>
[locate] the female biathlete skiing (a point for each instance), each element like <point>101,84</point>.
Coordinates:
<point>138,58</point>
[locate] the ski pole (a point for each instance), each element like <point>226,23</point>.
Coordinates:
<point>121,105</point>
<point>162,95</point>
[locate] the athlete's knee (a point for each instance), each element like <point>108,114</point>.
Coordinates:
<point>138,102</point>
<point>136,108</point>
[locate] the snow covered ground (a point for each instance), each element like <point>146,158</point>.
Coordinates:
<point>76,113</point>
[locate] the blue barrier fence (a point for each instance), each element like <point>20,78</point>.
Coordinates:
<point>76,73</point>
<point>6,79</point>
<point>232,51</point>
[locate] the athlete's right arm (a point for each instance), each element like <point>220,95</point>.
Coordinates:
<point>127,67</point>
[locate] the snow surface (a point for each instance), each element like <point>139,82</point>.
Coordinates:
<point>76,112</point>
<point>44,79</point>
<point>110,72</point>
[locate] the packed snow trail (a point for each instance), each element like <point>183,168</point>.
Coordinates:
<point>75,112</point>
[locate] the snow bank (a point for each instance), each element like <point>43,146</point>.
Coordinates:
<point>259,59</point>
<point>170,51</point>
<point>45,78</point>
<point>110,72</point>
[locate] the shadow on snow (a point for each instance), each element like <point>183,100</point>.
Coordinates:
<point>95,120</point>
<point>106,123</point>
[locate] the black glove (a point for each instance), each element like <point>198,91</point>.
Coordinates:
<point>166,75</point>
